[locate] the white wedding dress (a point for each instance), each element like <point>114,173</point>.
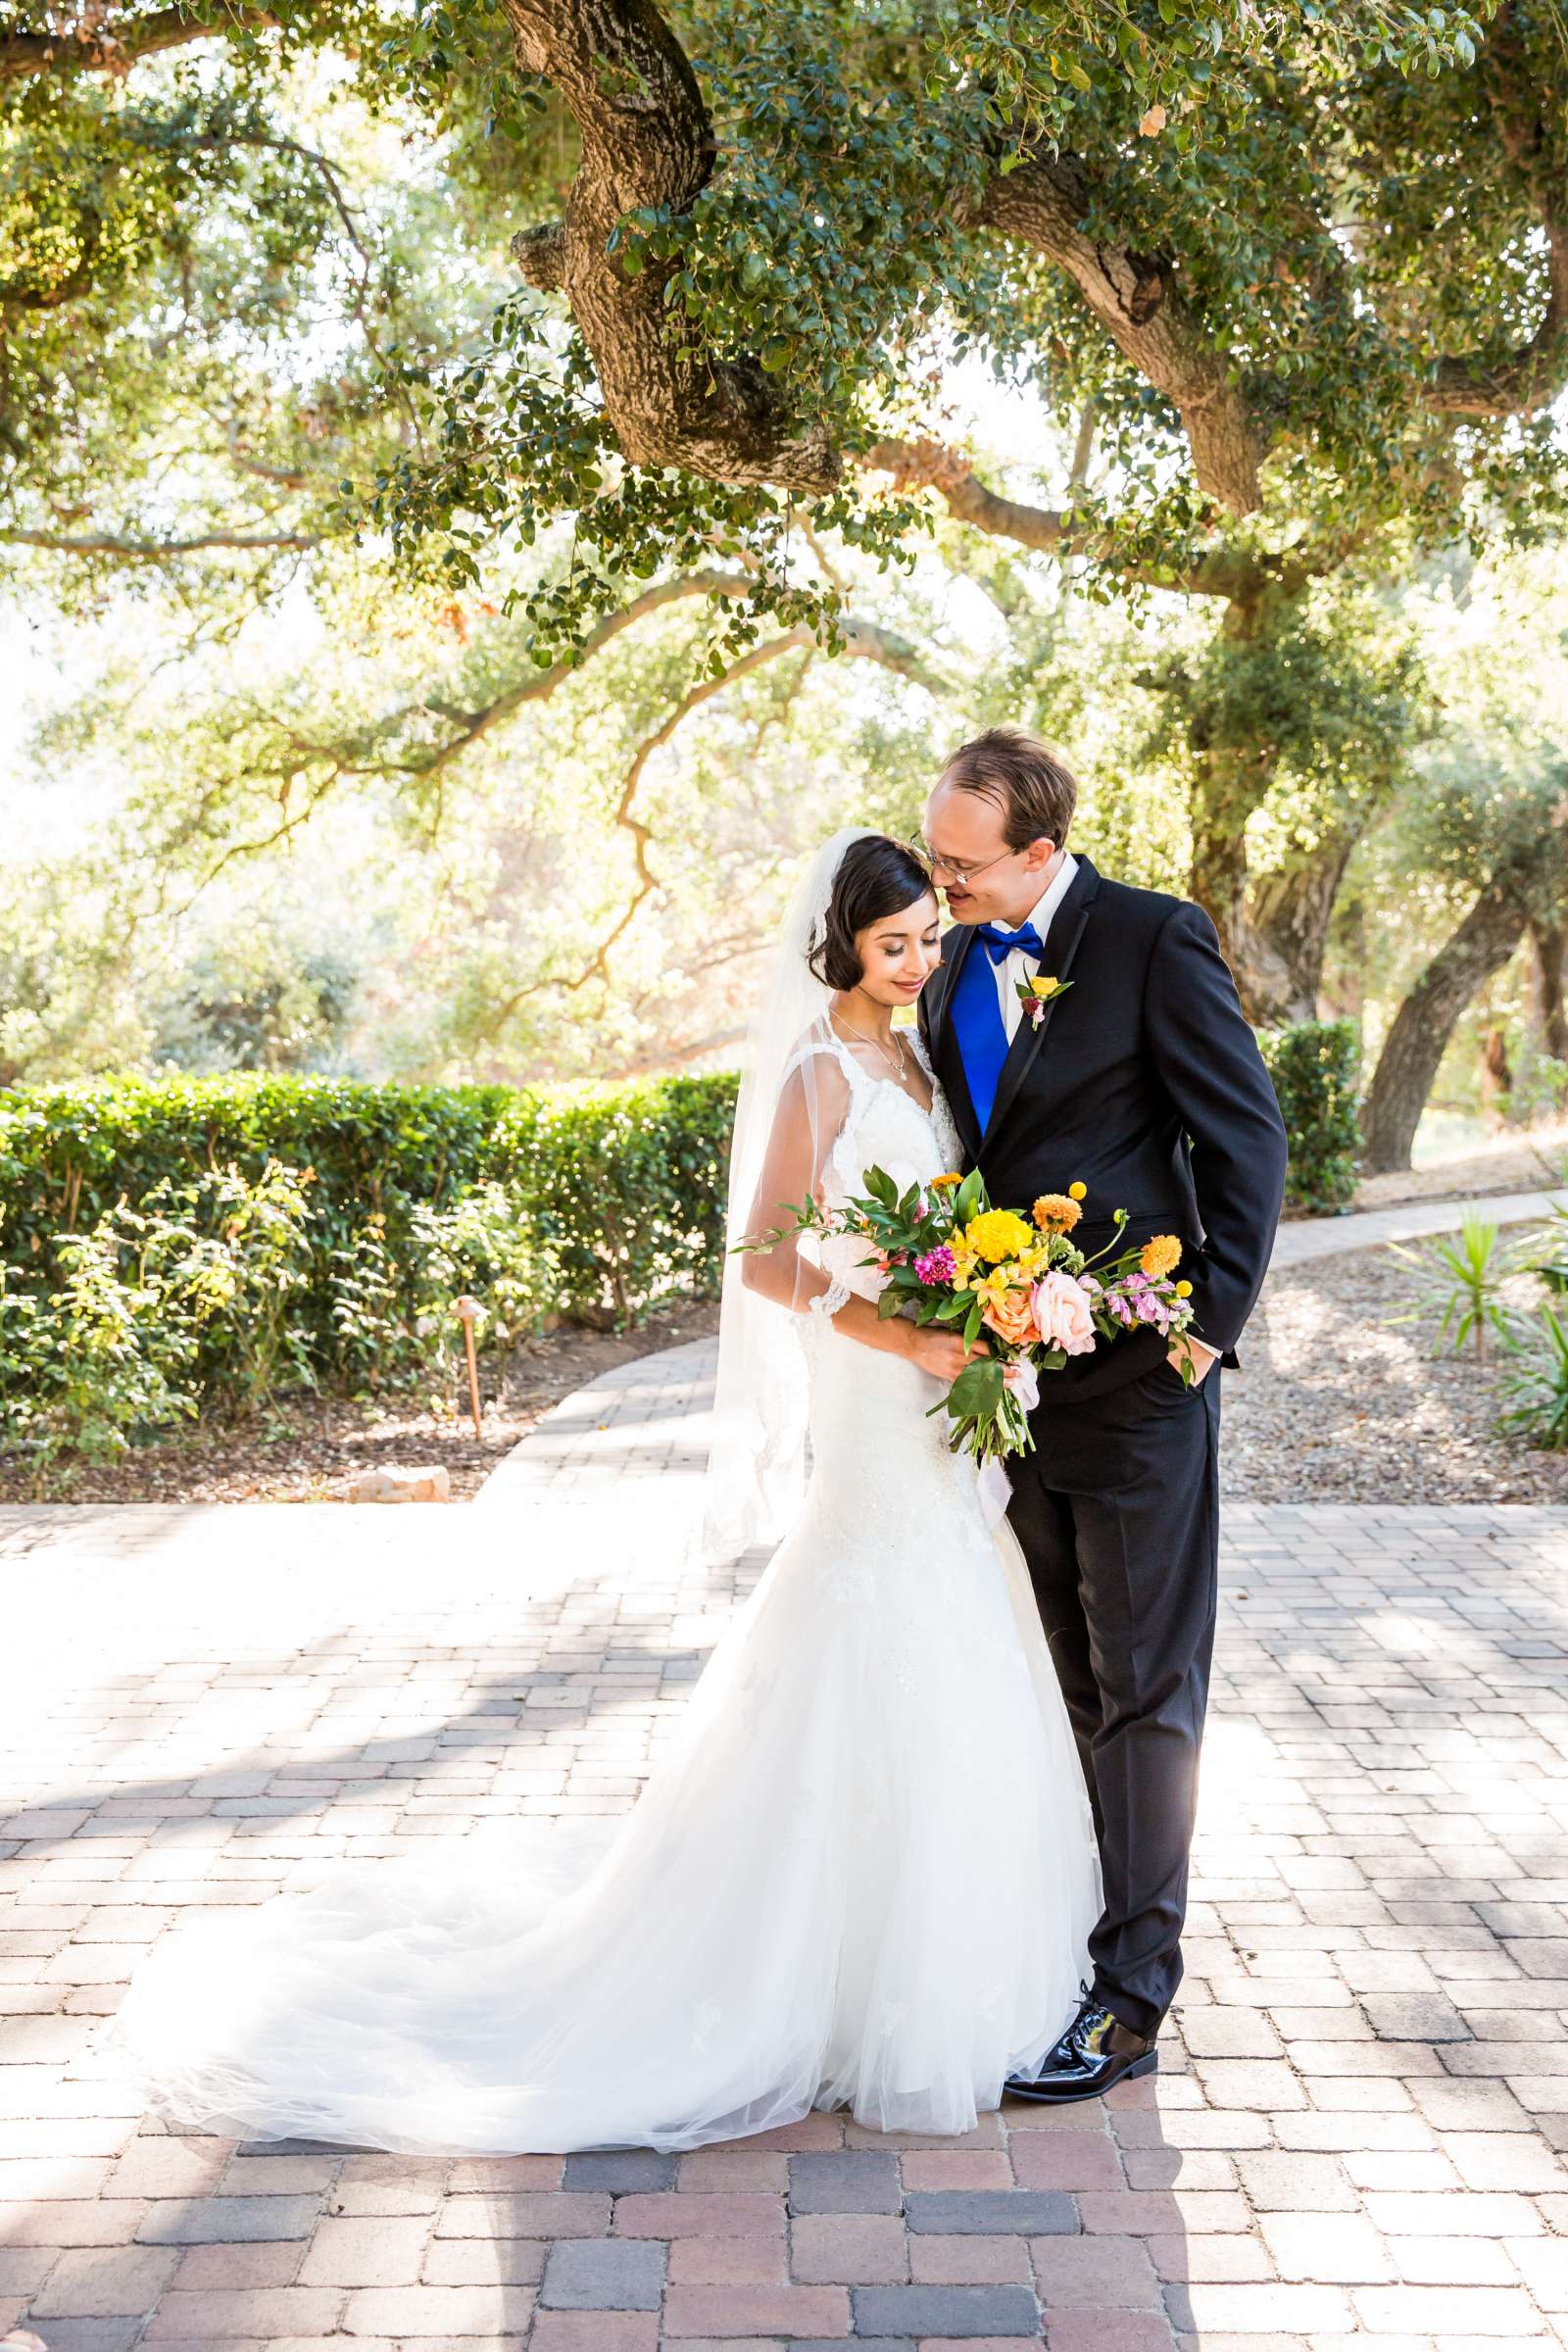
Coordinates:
<point>862,1875</point>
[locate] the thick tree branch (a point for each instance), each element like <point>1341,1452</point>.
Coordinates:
<point>152,551</point>
<point>861,638</point>
<point>1083,449</point>
<point>115,49</point>
<point>598,963</point>
<point>646,139</point>
<point>1528,378</point>
<point>541,255</point>
<point>927,465</point>
<point>1136,299</point>
<point>472,724</point>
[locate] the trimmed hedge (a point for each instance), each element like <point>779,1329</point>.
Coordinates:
<point>172,1241</point>
<point>1314,1067</point>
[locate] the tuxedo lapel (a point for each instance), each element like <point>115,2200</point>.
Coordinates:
<point>1067,927</point>
<point>946,1057</point>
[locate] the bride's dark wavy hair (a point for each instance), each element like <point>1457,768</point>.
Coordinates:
<point>877,877</point>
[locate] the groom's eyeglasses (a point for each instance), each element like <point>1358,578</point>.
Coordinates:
<point>955,870</point>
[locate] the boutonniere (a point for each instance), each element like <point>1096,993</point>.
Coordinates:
<point>1035,995</point>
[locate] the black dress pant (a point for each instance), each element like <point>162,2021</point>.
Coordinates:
<point>1117,1511</point>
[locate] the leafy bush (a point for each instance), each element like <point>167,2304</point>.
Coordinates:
<point>1313,1066</point>
<point>194,1241</point>
<point>1539,1090</point>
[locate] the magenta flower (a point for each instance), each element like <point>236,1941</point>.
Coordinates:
<point>937,1265</point>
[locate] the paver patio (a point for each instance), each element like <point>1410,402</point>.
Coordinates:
<point>1354,2134</point>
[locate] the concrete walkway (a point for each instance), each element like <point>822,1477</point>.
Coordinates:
<point>1354,2136</point>
<point>1297,1244</point>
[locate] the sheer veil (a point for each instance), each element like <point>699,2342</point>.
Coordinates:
<point>757,1466</point>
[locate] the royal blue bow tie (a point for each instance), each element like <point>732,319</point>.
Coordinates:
<point>1000,943</point>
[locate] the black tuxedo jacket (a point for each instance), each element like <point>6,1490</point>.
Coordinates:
<point>1143,1082</point>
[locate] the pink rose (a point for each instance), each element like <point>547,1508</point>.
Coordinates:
<point>1063,1315</point>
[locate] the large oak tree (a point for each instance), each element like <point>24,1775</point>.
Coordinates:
<point>1300,283</point>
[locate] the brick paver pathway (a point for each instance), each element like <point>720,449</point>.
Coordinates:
<point>1353,2137</point>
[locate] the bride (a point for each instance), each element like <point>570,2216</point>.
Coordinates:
<point>864,1873</point>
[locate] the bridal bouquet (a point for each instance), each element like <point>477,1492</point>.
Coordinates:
<point>1012,1285</point>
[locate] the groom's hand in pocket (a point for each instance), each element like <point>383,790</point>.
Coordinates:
<point>1201,1357</point>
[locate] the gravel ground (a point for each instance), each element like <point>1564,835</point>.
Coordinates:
<point>304,1452</point>
<point>1339,1401</point>
<point>1510,1163</point>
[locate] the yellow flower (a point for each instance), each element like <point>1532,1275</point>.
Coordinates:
<point>1042,987</point>
<point>939,1184</point>
<point>1184,1290</point>
<point>1077,1192</point>
<point>996,1234</point>
<point>1161,1255</point>
<point>1056,1212</point>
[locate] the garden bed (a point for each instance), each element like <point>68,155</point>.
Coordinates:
<point>1339,1401</point>
<point>305,1449</point>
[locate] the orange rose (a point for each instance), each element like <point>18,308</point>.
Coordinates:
<point>1011,1317</point>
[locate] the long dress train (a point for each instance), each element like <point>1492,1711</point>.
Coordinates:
<point>863,1874</point>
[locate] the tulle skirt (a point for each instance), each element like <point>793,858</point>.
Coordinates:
<point>861,1875</point>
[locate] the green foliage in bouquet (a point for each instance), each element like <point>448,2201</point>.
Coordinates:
<point>1016,1288</point>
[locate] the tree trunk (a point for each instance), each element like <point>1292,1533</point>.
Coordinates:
<point>1497,1078</point>
<point>1229,781</point>
<point>1287,916</point>
<point>1424,1024</point>
<point>1544,1010</point>
<point>1233,772</point>
<point>1219,863</point>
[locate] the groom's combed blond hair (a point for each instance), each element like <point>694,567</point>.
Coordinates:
<point>1032,785</point>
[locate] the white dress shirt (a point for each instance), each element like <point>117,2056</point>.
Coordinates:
<point>1017,967</point>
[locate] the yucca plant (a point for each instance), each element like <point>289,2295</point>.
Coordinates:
<point>1549,1260</point>
<point>1539,1386</point>
<point>1468,1275</point>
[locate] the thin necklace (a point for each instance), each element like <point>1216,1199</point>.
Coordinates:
<point>869,1040</point>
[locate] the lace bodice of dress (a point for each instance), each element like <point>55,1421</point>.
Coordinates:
<point>884,1127</point>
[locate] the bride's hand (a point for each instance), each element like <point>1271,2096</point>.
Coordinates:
<point>941,1353</point>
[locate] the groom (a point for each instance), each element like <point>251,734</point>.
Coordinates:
<point>1144,1083</point>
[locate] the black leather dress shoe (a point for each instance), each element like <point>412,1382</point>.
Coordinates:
<point>1095,2051</point>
